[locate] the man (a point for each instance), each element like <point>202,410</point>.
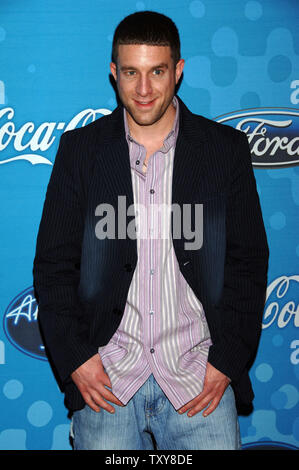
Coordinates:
<point>151,335</point>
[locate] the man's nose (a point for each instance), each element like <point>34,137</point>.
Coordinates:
<point>144,86</point>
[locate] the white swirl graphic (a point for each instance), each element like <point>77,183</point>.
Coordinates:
<point>33,159</point>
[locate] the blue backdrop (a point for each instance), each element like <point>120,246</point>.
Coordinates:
<point>241,69</point>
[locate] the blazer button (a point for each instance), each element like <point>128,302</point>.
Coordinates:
<point>128,267</point>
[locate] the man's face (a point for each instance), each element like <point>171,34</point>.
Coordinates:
<point>146,78</point>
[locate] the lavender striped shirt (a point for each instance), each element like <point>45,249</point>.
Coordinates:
<point>163,330</point>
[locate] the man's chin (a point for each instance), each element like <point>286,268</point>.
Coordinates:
<point>145,122</point>
<point>144,119</point>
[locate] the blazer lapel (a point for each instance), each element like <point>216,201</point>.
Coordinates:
<point>114,157</point>
<point>188,158</point>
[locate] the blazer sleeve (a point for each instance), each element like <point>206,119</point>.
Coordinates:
<point>239,312</point>
<point>56,267</point>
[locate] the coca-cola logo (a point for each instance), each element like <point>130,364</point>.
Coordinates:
<point>21,326</point>
<point>31,141</point>
<point>272,134</point>
<point>280,308</point>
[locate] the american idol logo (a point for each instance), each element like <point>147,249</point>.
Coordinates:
<point>21,326</point>
<point>268,445</point>
<point>272,134</point>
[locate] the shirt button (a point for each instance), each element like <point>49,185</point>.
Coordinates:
<point>152,191</point>
<point>137,162</point>
<point>151,312</point>
<point>152,350</point>
<point>152,271</point>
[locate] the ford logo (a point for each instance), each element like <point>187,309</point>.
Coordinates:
<point>272,134</point>
<point>21,326</point>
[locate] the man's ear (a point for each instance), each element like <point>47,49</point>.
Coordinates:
<point>113,69</point>
<point>179,69</point>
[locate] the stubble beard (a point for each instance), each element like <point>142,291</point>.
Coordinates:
<point>142,119</point>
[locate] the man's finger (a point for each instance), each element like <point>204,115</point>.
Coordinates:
<point>90,402</point>
<point>99,401</point>
<point>108,395</point>
<point>212,407</point>
<point>187,406</point>
<point>200,405</point>
<point>105,379</point>
<point>205,392</point>
<point>213,402</point>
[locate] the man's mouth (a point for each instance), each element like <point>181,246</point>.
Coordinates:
<point>144,104</point>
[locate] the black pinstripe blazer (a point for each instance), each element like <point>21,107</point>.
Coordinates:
<point>81,282</point>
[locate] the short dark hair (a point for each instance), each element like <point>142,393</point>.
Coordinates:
<point>147,27</point>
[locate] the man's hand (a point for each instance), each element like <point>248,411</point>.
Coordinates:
<point>92,380</point>
<point>215,384</point>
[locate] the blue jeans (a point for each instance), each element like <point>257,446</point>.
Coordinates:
<point>149,421</point>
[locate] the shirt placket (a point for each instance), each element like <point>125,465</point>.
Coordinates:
<point>152,258</point>
<point>152,268</point>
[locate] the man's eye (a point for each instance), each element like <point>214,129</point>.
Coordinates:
<point>158,72</point>
<point>130,73</point>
